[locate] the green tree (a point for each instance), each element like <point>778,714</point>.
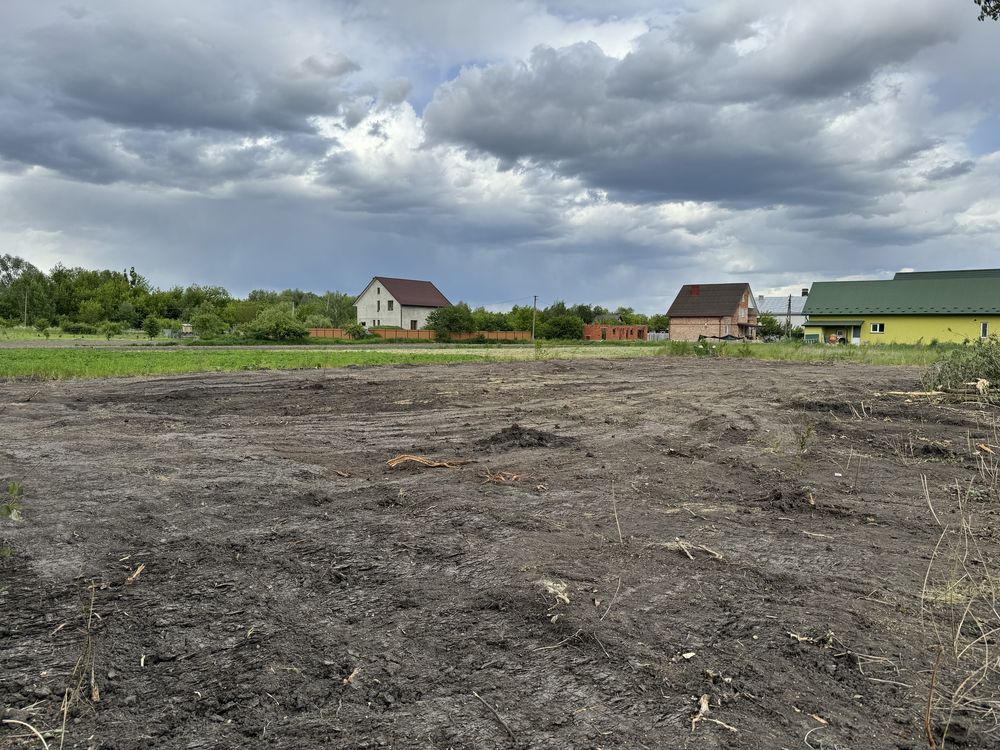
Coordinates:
<point>110,328</point>
<point>151,325</point>
<point>207,324</point>
<point>42,326</point>
<point>90,311</point>
<point>487,320</point>
<point>318,321</point>
<point>659,323</point>
<point>276,324</point>
<point>768,325</point>
<point>445,321</point>
<point>562,327</point>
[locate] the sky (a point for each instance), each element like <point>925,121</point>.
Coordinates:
<point>585,150</point>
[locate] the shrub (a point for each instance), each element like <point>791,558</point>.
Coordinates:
<point>562,327</point>
<point>152,326</point>
<point>355,331</point>
<point>965,365</point>
<point>109,328</point>
<point>445,321</point>
<point>69,326</point>
<point>318,321</point>
<point>42,325</point>
<point>208,325</point>
<point>276,324</point>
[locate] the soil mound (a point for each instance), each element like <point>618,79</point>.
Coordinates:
<point>517,436</point>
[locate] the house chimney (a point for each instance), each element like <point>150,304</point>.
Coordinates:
<point>695,290</point>
<point>805,292</point>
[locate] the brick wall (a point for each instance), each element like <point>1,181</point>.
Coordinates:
<point>613,332</point>
<point>689,329</point>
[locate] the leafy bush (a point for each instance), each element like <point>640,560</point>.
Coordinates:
<point>968,364</point>
<point>445,321</point>
<point>110,328</point>
<point>208,325</point>
<point>276,324</point>
<point>78,329</point>
<point>318,321</point>
<point>562,327</point>
<point>355,331</point>
<point>152,326</point>
<point>768,325</point>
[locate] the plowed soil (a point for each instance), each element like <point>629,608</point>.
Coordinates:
<point>227,561</point>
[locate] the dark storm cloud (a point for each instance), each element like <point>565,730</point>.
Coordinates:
<point>688,115</point>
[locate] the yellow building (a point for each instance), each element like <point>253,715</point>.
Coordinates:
<point>912,308</point>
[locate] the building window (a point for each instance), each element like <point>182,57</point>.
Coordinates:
<point>362,324</point>
<point>984,330</point>
<point>378,322</point>
<point>378,290</point>
<point>878,327</point>
<point>378,306</point>
<point>389,304</point>
<point>413,325</point>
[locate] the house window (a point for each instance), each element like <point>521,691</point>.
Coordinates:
<point>984,330</point>
<point>378,322</point>
<point>878,327</point>
<point>389,304</point>
<point>378,306</point>
<point>362,324</point>
<point>378,290</point>
<point>413,325</point>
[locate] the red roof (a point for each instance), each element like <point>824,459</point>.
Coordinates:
<point>414,293</point>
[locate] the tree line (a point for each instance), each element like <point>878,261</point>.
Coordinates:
<point>81,300</point>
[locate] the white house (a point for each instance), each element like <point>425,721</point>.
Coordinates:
<point>405,303</point>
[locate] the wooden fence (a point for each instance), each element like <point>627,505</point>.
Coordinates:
<point>402,334</point>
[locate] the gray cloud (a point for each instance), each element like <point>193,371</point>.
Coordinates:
<point>578,149</point>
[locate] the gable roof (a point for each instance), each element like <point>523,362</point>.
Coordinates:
<point>975,273</point>
<point>779,305</point>
<point>711,300</point>
<point>411,292</point>
<point>934,295</point>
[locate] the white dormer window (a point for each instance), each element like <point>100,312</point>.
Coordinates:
<point>878,328</point>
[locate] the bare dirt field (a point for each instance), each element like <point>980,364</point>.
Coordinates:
<point>652,553</point>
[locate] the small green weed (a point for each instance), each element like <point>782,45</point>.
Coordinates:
<point>11,506</point>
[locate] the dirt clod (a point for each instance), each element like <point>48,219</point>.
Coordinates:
<point>517,436</point>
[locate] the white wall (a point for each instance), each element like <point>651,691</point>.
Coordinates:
<point>418,314</point>
<point>373,307</point>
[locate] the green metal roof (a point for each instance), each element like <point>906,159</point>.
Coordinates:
<point>975,273</point>
<point>833,323</point>
<point>961,295</point>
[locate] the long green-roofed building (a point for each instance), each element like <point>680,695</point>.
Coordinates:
<point>912,308</point>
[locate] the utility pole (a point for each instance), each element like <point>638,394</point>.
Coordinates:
<point>534,312</point>
<point>25,308</point>
<point>788,319</point>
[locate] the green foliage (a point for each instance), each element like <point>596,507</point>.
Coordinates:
<point>208,325</point>
<point>487,320</point>
<point>318,321</point>
<point>41,324</point>
<point>90,311</point>
<point>355,331</point>
<point>85,329</point>
<point>445,321</point>
<point>110,328</point>
<point>152,326</point>
<point>276,324</point>
<point>659,323</point>
<point>967,364</point>
<point>12,506</point>
<point>768,325</point>
<point>562,327</point>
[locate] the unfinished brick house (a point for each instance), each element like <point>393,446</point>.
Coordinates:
<point>713,311</point>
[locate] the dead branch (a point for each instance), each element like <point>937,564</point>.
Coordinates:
<point>406,458</point>
<point>497,714</point>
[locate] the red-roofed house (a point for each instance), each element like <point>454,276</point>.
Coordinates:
<point>398,302</point>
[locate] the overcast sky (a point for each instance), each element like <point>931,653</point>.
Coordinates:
<point>587,150</point>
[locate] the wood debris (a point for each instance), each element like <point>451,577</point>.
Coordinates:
<point>702,715</point>
<point>138,572</point>
<point>430,463</point>
<point>500,477</point>
<point>340,473</point>
<point>351,677</point>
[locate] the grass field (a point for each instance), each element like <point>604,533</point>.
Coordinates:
<point>71,362</point>
<point>54,363</point>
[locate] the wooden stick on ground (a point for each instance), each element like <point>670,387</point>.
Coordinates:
<point>497,714</point>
